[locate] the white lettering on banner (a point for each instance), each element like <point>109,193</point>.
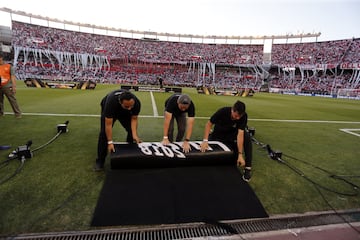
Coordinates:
<point>175,149</point>
<point>350,66</point>
<point>144,147</point>
<point>195,146</point>
<point>160,150</point>
<point>156,149</point>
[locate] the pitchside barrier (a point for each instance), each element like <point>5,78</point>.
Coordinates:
<point>61,85</point>
<point>246,92</point>
<point>157,155</point>
<point>151,88</point>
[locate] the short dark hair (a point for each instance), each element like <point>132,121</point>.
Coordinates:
<point>239,107</point>
<point>125,95</point>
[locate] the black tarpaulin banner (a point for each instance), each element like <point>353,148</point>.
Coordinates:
<point>155,155</point>
<point>151,196</point>
<point>149,183</point>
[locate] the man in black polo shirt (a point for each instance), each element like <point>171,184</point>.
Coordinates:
<point>176,107</point>
<point>118,105</point>
<point>231,129</point>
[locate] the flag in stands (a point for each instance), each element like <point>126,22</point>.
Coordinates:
<point>100,50</point>
<point>195,57</point>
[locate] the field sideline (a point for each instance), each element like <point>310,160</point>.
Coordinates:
<point>57,190</point>
<point>157,116</point>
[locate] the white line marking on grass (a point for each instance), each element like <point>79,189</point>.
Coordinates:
<point>61,114</point>
<point>351,131</point>
<point>302,121</point>
<point>152,116</point>
<point>153,103</point>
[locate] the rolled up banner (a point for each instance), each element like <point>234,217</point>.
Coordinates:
<point>157,155</point>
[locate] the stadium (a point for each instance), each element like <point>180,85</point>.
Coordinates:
<point>302,99</point>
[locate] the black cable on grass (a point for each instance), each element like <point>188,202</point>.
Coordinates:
<point>331,175</point>
<point>50,141</point>
<point>22,162</point>
<point>276,156</point>
<point>336,212</point>
<point>273,155</point>
<point>25,152</point>
<point>4,163</point>
<point>61,128</point>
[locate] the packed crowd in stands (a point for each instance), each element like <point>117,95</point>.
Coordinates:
<point>325,85</point>
<point>58,54</point>
<point>330,52</point>
<point>44,38</point>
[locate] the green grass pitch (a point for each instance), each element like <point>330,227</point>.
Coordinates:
<point>57,190</point>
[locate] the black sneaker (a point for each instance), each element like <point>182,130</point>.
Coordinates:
<point>247,175</point>
<point>98,168</point>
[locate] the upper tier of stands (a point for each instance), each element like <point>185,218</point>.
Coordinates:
<point>44,38</point>
<point>330,52</point>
